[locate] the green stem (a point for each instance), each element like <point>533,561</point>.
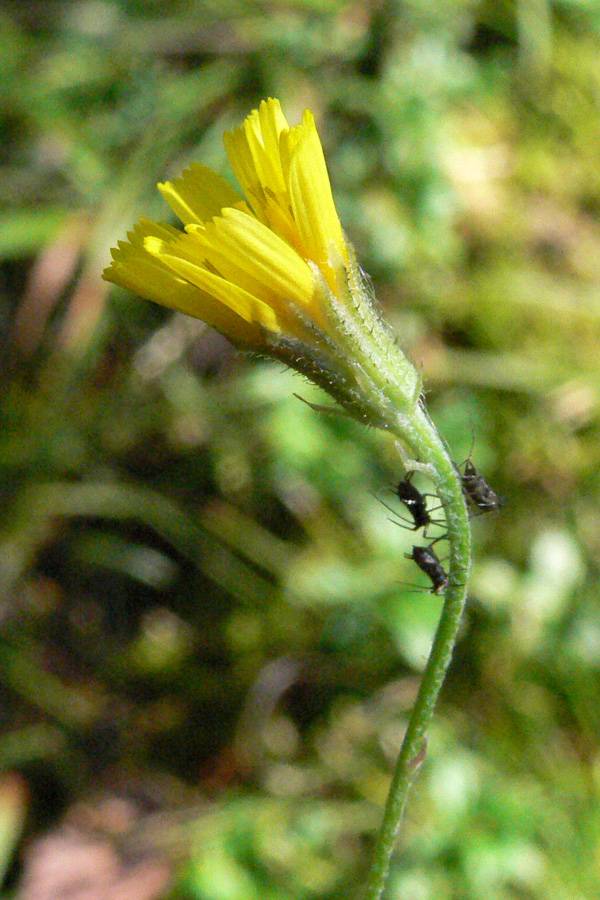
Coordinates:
<point>361,365</point>
<point>429,449</point>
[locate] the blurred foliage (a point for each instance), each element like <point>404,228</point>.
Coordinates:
<point>204,605</point>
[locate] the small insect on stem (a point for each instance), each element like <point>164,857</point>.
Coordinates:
<point>414,501</point>
<point>427,561</point>
<point>478,491</point>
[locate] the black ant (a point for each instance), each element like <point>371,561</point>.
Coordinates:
<point>428,562</point>
<point>478,491</point>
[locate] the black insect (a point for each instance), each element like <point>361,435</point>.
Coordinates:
<point>427,561</point>
<point>478,491</point>
<point>415,502</point>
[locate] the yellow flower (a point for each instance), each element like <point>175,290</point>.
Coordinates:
<point>272,270</point>
<point>244,266</point>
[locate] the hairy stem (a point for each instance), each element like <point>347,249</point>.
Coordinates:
<point>429,450</point>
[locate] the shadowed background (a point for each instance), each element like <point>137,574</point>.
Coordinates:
<point>208,639</point>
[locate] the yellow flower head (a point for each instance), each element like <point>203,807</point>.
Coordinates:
<point>244,266</point>
<point>272,270</point>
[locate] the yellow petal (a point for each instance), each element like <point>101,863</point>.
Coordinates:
<point>244,250</point>
<point>134,268</point>
<point>262,130</point>
<point>230,296</point>
<point>242,164</point>
<point>199,194</point>
<point>311,196</point>
<point>253,151</point>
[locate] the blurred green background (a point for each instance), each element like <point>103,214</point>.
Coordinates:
<point>208,649</point>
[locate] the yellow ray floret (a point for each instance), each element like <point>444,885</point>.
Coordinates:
<point>199,194</point>
<point>145,273</point>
